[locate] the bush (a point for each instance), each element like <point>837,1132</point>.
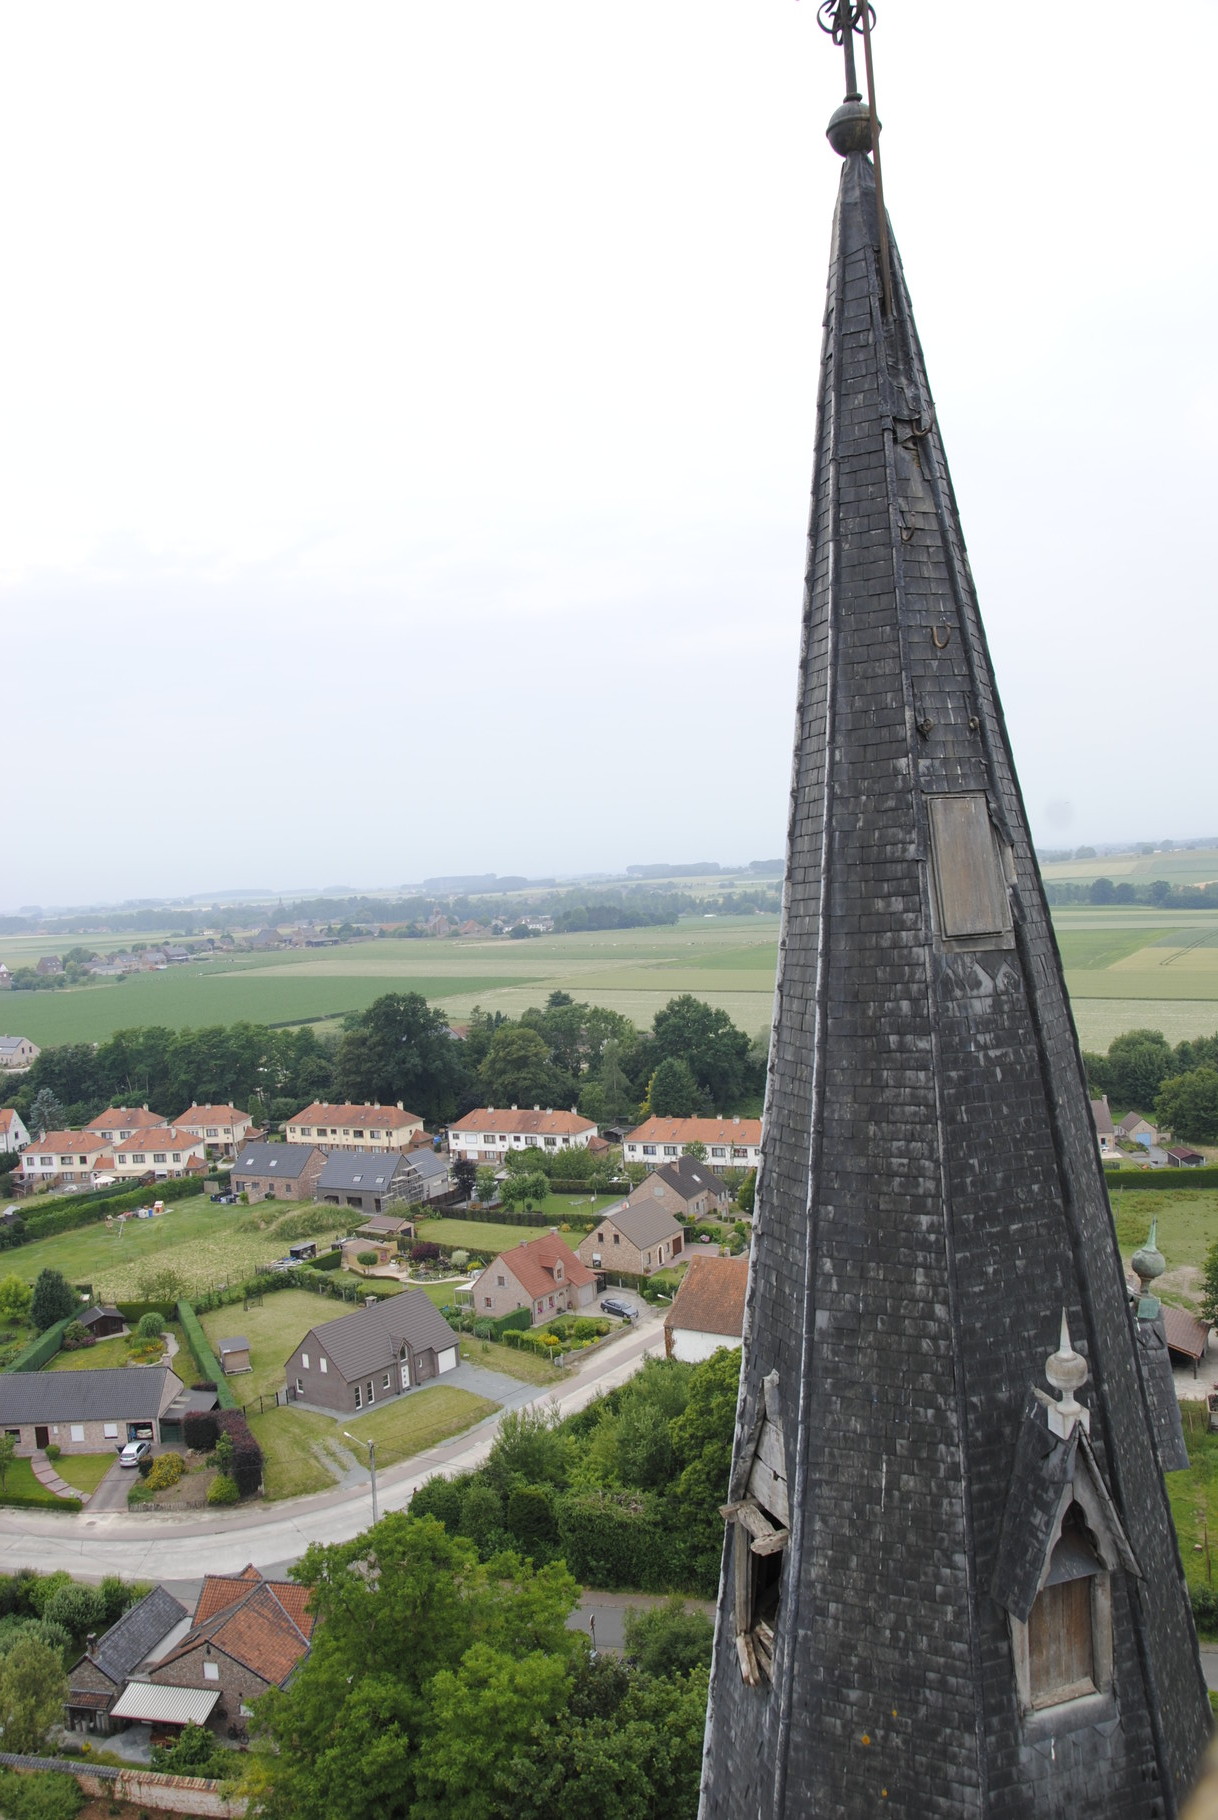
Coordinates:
<point>52,1450</point>
<point>669,1640</point>
<point>199,1429</point>
<point>425,1252</point>
<point>76,1335</point>
<point>80,1609</point>
<point>46,1795</point>
<point>149,1327</point>
<point>167,1469</point>
<point>247,1455</point>
<point>197,1752</point>
<point>223,1490</point>
<point>54,1300</point>
<point>367,1258</point>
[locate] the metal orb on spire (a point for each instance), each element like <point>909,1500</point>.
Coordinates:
<point>855,127</point>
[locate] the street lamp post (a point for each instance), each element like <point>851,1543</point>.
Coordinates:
<point>371,1446</point>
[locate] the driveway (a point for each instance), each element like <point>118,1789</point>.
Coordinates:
<point>173,1545</point>
<point>111,1494</point>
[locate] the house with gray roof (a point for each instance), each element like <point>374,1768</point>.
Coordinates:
<point>86,1411</point>
<point>373,1355</point>
<point>365,1179</point>
<point>428,1174</point>
<point>96,1679</point>
<point>287,1172</point>
<point>639,1237</point>
<point>687,1188</point>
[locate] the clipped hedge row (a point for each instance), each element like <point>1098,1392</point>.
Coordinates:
<point>42,1349</point>
<point>1136,1180</point>
<point>509,1216</point>
<point>25,1500</point>
<point>327,1260</point>
<point>206,1363</point>
<point>73,1211</point>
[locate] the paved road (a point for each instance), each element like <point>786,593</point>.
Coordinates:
<point>166,1545</point>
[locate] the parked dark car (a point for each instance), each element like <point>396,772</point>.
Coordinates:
<point>611,1305</point>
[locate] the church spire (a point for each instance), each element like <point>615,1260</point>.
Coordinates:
<point>946,1593</point>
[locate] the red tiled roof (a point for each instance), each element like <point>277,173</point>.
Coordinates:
<point>532,1121</point>
<point>533,1265</point>
<point>263,1624</point>
<point>89,1141</point>
<point>699,1131</point>
<point>158,1137</point>
<point>221,1590</point>
<point>124,1118</point>
<point>383,1118</point>
<point>711,1297</point>
<point>209,1115</point>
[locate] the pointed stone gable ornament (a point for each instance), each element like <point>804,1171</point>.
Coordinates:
<point>948,1593</point>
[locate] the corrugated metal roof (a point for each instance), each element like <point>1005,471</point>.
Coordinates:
<point>157,1704</point>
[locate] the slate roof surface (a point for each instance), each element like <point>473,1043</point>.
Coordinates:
<point>1102,1116</point>
<point>1154,1359</point>
<point>132,1639</point>
<point>711,1297</point>
<point>534,1266</point>
<point>370,1171</point>
<point>643,1223</point>
<point>122,1395</point>
<point>426,1163</point>
<point>370,1339</point>
<point>931,1194</point>
<point>687,1177</point>
<point>286,1160</point>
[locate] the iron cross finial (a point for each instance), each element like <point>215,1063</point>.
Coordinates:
<point>841,19</point>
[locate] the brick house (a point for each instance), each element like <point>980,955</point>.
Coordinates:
<point>86,1411</point>
<point>247,1634</point>
<point>685,1187</point>
<point>118,1123</point>
<point>544,1276</point>
<point>373,1355</point>
<point>1105,1134</point>
<point>222,1128</point>
<point>708,1309</point>
<point>286,1172</point>
<point>730,1143</point>
<point>641,1237</point>
<point>18,1052</point>
<point>96,1679</point>
<point>48,966</point>
<point>348,1127</point>
<point>353,1178</point>
<point>487,1135</point>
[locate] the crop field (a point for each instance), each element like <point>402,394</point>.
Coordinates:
<point>1125,966</point>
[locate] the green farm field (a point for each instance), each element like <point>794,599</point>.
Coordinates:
<point>1126,966</point>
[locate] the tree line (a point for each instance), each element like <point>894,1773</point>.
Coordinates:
<point>692,1059</point>
<point>1141,1070</point>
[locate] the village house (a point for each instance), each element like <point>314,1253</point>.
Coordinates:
<point>1138,1130</point>
<point>373,1355</point>
<point>222,1128</point>
<point>346,1127</point>
<point>13,1134</point>
<point>730,1143</point>
<point>353,1178</point>
<point>86,1411</point>
<point>708,1309</point>
<point>17,1052</point>
<point>638,1237</point>
<point>117,1123</point>
<point>63,1159</point>
<point>48,966</point>
<point>96,1679</point>
<point>685,1188</point>
<point>544,1276</point>
<point>159,1150</point>
<point>6,978</point>
<point>1105,1132</point>
<point>487,1135</point>
<point>428,1174</point>
<point>248,1633</point>
<point>286,1172</point>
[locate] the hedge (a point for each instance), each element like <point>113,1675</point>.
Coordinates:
<point>247,1455</point>
<point>328,1260</point>
<point>621,1539</point>
<point>206,1362</point>
<point>134,1312</point>
<point>34,1356</point>
<point>1136,1180</point>
<point>26,1501</point>
<point>507,1216</point>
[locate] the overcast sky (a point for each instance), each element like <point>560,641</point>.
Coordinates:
<point>407,421</point>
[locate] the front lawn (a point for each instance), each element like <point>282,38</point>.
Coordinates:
<point>84,1472</point>
<point>107,1355</point>
<point>291,1468</point>
<point>485,1235</point>
<point>409,1424</point>
<point>19,1481</point>
<point>529,1367</point>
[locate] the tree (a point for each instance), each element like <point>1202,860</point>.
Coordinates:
<point>487,1186</point>
<point>1139,1061</point>
<point>15,1299</point>
<point>401,1049</point>
<point>53,1300</point>
<point>746,1194</point>
<point>518,1071</point>
<point>706,1039</point>
<point>672,1092</point>
<point>197,1752</point>
<point>668,1639</point>
<point>465,1176</point>
<point>525,1190</point>
<point>33,1687</point>
<point>1102,891</point>
<point>1158,890</point>
<point>46,1113</point>
<point>1187,1105</point>
<point>697,1150</point>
